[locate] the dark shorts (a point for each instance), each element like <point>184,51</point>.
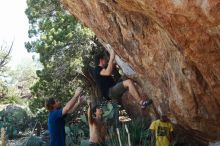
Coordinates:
<point>97,144</point>
<point>117,91</point>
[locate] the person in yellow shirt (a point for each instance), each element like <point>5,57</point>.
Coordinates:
<point>162,131</point>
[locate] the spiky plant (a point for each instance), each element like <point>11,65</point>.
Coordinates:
<point>139,133</point>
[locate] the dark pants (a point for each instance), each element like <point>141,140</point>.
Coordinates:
<point>117,91</point>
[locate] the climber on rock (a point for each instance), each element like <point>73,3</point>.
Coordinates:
<point>56,117</point>
<point>97,126</point>
<point>162,131</point>
<point>108,87</point>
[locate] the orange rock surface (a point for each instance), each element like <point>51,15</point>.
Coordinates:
<point>174,48</point>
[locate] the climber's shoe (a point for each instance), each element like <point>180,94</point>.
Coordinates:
<point>146,103</point>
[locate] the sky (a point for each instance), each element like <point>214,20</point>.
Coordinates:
<point>14,27</point>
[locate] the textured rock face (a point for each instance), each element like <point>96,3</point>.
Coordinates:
<point>174,48</point>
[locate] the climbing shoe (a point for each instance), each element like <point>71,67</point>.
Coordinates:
<point>146,103</point>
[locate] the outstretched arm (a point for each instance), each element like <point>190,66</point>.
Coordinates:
<point>79,101</point>
<point>75,106</point>
<point>108,70</point>
<point>71,102</point>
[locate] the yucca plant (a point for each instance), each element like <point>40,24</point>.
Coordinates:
<point>139,130</point>
<point>139,133</point>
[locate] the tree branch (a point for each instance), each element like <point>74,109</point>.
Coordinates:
<point>3,61</point>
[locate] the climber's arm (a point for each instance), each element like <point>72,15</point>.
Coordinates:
<point>108,70</point>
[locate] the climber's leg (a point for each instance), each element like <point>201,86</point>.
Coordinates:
<point>134,92</point>
<point>117,91</point>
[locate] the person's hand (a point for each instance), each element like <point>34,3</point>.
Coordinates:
<point>88,102</point>
<point>82,98</point>
<point>78,91</point>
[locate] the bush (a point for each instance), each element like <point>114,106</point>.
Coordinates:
<point>36,106</point>
<point>12,100</point>
<point>76,132</point>
<point>14,119</point>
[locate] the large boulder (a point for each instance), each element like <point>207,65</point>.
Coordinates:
<point>173,47</point>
